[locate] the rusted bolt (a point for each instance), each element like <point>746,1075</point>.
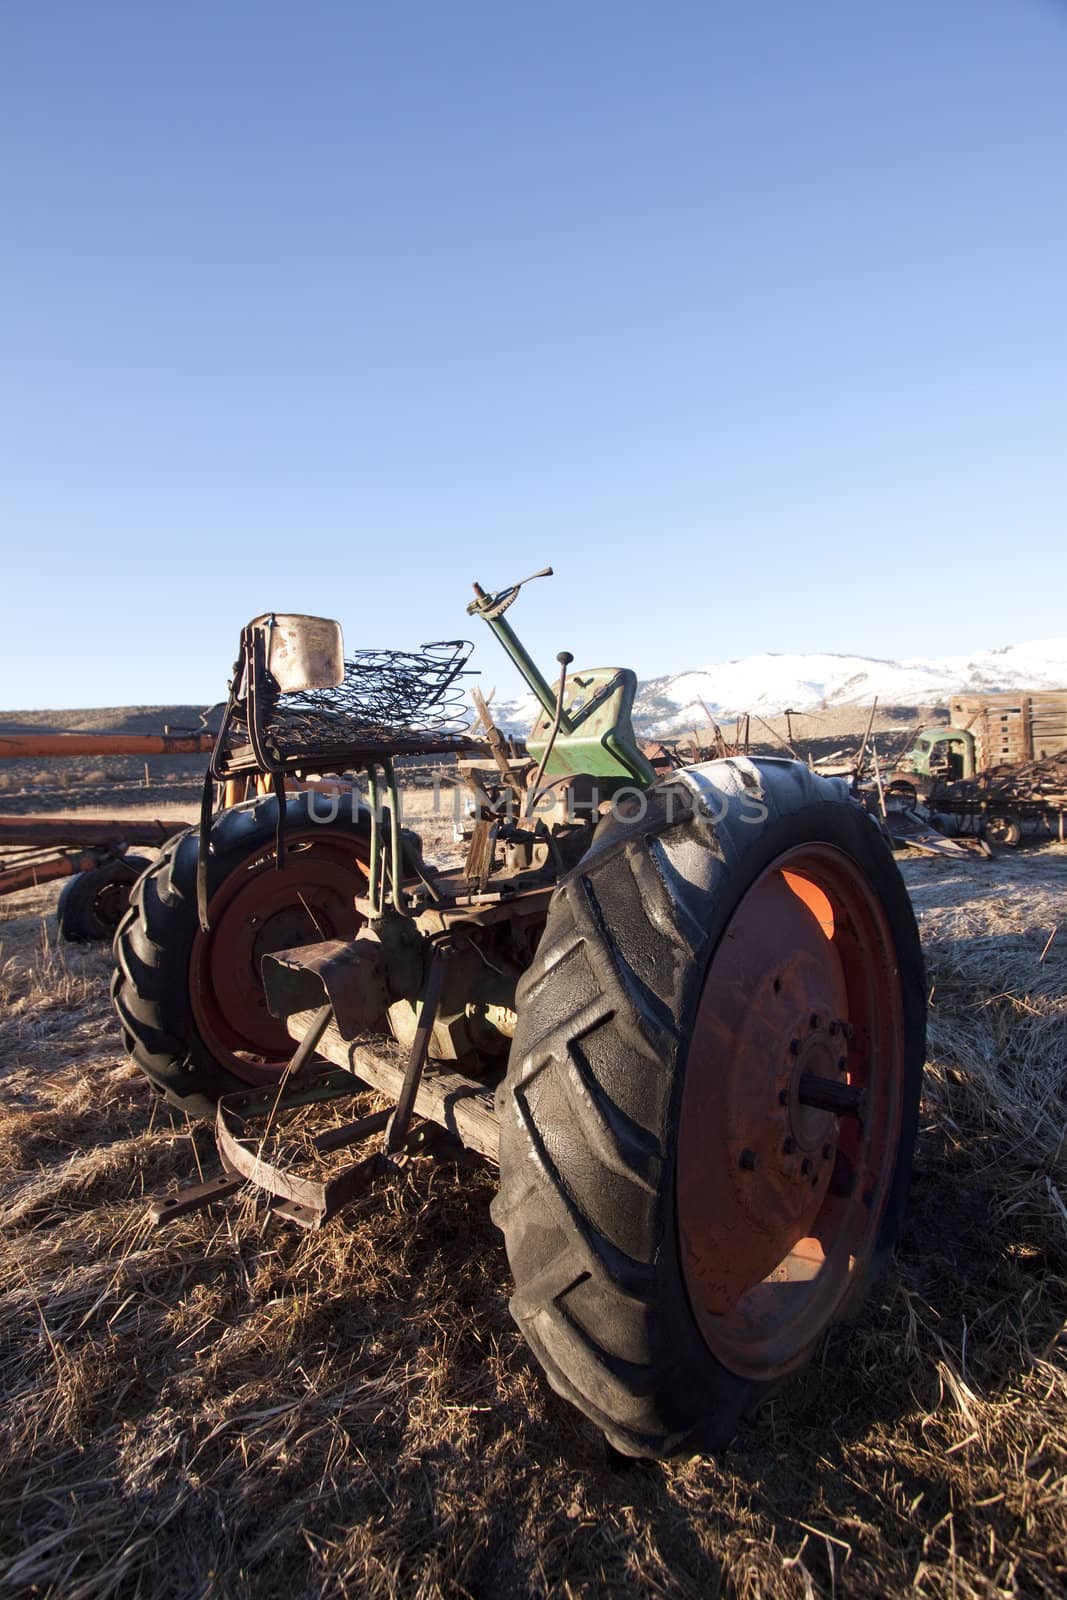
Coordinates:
<point>789,1146</point>
<point>749,1160</point>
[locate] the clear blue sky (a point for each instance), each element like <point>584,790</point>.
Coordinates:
<point>749,318</point>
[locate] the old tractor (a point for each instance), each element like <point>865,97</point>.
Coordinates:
<point>685,1017</point>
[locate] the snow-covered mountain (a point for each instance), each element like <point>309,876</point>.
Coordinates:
<point>767,683</point>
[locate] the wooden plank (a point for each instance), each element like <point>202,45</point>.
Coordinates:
<point>462,1105</point>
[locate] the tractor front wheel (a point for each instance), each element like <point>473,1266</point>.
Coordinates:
<point>191,1003</point>
<point>711,1101</point>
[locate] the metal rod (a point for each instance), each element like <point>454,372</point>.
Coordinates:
<point>375,838</point>
<point>564,658</point>
<point>858,769</point>
<point>843,1099</point>
<point>420,1046</point>
<point>350,1132</point>
<point>74,831</point>
<point>395,871</point>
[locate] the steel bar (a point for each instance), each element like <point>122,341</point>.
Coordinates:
<point>350,1132</point>
<point>420,1045</point>
<point>857,770</point>
<point>306,1048</point>
<point>843,1099</point>
<point>59,831</point>
<point>194,1197</point>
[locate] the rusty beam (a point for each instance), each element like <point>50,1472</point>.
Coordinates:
<point>86,831</point>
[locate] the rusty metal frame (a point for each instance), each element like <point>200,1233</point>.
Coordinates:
<point>309,1202</point>
<point>41,843</point>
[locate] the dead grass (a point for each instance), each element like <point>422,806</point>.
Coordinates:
<point>230,1408</point>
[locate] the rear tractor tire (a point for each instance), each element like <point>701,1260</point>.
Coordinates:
<point>191,1005</point>
<point>711,1100</point>
<point>94,902</point>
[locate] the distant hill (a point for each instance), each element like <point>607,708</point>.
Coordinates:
<point>767,684</point>
<point>764,684</point>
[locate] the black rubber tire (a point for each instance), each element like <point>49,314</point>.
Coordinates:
<point>1003,831</point>
<point>154,941</point>
<point>87,907</point>
<point>590,1104</point>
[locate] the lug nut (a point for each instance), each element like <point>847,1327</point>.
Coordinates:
<point>749,1160</point>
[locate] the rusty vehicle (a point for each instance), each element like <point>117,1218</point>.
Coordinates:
<point>683,1016</point>
<point>998,771</point>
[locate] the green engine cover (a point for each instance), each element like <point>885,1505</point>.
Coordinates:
<point>600,741</point>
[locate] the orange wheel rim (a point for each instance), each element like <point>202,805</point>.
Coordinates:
<point>791,1111</point>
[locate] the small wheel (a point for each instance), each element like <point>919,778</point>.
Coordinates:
<point>1003,830</point>
<point>191,1004</point>
<point>93,903</point>
<point>711,1100</point>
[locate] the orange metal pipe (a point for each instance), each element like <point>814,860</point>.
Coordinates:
<point>17,746</point>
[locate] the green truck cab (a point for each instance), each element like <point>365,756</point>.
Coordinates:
<point>942,753</point>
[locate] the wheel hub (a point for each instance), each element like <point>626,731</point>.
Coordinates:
<point>816,1055</point>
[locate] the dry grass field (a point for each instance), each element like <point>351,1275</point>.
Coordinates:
<point>232,1408</point>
